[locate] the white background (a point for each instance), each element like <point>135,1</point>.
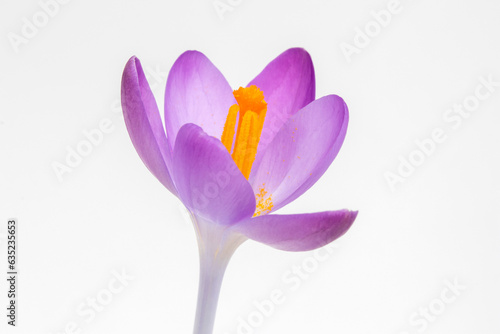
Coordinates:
<point>110,214</point>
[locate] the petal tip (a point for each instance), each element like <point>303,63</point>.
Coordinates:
<point>191,54</point>
<point>131,71</point>
<point>132,63</point>
<point>348,220</point>
<point>298,51</point>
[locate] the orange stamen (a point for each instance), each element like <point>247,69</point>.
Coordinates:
<point>252,111</point>
<point>228,133</point>
<point>241,146</point>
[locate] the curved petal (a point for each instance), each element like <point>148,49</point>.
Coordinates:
<point>297,232</point>
<point>207,179</point>
<point>196,93</point>
<point>288,84</point>
<point>302,151</point>
<point>143,122</point>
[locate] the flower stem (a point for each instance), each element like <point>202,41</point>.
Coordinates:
<point>211,276</point>
<point>216,246</point>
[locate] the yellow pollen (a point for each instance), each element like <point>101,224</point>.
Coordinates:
<point>264,204</point>
<point>251,109</point>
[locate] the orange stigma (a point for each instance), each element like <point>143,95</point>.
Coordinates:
<point>251,109</point>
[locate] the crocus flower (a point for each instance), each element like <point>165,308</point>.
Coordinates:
<point>235,157</point>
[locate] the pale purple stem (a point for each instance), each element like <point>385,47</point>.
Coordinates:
<point>216,246</point>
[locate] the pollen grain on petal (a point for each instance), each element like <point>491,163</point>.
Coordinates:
<point>264,202</point>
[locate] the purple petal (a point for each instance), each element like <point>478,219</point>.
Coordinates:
<point>297,232</point>
<point>196,93</point>
<point>143,122</point>
<point>288,85</point>
<point>302,151</point>
<point>209,182</point>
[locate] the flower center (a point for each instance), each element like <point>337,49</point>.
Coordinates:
<point>251,109</point>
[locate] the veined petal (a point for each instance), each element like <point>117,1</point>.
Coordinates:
<point>143,122</point>
<point>288,84</point>
<point>302,150</point>
<point>300,232</point>
<point>197,93</point>
<point>207,179</point>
